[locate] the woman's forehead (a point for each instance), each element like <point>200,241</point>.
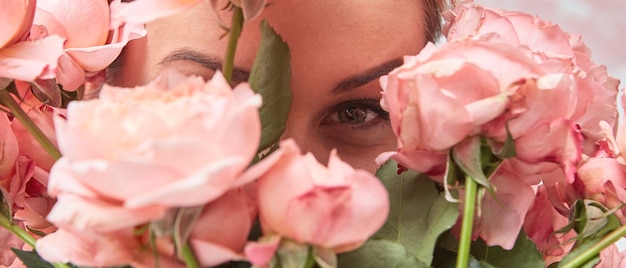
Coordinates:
<point>326,36</point>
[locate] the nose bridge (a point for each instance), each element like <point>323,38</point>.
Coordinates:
<point>306,138</point>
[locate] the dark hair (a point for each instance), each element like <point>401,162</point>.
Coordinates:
<point>433,23</point>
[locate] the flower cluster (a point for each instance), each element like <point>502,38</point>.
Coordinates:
<point>510,118</point>
<point>508,80</point>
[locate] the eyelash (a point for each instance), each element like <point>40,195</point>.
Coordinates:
<point>372,105</point>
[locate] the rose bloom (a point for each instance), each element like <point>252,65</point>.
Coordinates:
<point>475,87</point>
<point>218,235</point>
<point>19,58</point>
<point>86,52</point>
<point>24,173</point>
<point>334,207</point>
<point>596,90</point>
<point>136,152</point>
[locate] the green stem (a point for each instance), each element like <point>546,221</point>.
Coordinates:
<point>24,236</point>
<point>468,221</point>
<point>9,102</point>
<point>60,265</point>
<point>233,38</point>
<point>594,250</point>
<point>17,231</point>
<point>190,257</point>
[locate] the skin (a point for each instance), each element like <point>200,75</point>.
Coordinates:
<point>347,42</point>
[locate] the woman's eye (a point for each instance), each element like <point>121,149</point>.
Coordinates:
<point>357,113</point>
<point>354,115</point>
<point>357,123</point>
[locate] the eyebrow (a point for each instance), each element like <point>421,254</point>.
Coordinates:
<point>367,76</point>
<point>239,75</point>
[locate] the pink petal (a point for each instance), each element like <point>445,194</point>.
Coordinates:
<point>8,145</point>
<point>261,253</point>
<point>96,58</point>
<point>79,213</point>
<point>74,16</point>
<point>8,241</point>
<point>70,75</point>
<point>513,199</point>
<point>16,17</point>
<point>424,120</point>
<point>218,243</point>
<point>29,60</point>
<point>87,248</point>
<point>542,220</point>
<point>558,142</point>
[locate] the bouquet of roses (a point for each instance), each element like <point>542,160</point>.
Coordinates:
<point>508,151</point>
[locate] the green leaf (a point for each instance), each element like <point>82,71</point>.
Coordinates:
<point>581,248</point>
<point>270,77</point>
<point>184,222</point>
<point>467,154</point>
<point>591,221</point>
<point>508,150</point>
<point>418,211</point>
<point>447,259</point>
<point>523,254</point>
<point>379,253</point>
<point>31,259</point>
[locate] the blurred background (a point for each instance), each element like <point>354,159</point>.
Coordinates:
<point>602,24</point>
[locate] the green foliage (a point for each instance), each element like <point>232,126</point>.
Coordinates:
<point>270,77</point>
<point>469,156</point>
<point>523,254</point>
<point>31,259</point>
<point>379,253</point>
<point>418,212</point>
<point>591,221</point>
<point>508,150</point>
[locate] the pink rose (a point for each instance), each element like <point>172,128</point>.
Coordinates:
<point>465,88</point>
<point>334,207</point>
<point>596,91</point>
<point>136,152</point>
<point>85,51</point>
<point>16,18</point>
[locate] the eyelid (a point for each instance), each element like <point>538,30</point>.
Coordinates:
<point>239,75</point>
<point>371,104</point>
